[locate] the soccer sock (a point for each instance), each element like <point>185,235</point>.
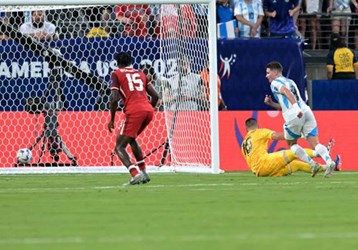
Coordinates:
<point>297,165</point>
<point>133,170</point>
<point>300,152</point>
<point>323,152</point>
<point>289,155</point>
<point>141,165</point>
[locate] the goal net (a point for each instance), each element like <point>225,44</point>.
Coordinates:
<point>55,67</point>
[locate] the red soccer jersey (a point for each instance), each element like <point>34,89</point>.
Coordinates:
<point>132,85</point>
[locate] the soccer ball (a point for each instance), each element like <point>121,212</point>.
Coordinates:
<point>24,155</point>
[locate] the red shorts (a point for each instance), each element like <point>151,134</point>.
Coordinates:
<point>135,123</point>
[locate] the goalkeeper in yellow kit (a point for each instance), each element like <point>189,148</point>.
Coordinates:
<point>262,163</point>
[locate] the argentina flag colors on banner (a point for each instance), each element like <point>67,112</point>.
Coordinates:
<point>227,29</point>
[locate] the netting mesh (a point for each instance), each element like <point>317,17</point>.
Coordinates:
<point>55,66</point>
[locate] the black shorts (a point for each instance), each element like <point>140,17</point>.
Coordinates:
<point>344,76</point>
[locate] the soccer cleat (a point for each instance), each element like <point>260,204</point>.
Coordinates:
<point>146,177</point>
<point>329,169</point>
<point>138,179</point>
<point>330,145</point>
<point>338,163</point>
<point>315,169</point>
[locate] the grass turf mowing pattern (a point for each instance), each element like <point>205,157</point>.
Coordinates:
<point>179,211</point>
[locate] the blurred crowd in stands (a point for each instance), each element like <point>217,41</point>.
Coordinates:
<point>141,20</point>
<point>311,20</point>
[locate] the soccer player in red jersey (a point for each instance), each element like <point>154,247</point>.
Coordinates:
<point>132,87</point>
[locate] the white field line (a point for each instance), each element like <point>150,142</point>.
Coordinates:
<point>39,241</point>
<point>178,238</point>
<point>194,186</point>
<point>47,189</point>
<point>258,236</point>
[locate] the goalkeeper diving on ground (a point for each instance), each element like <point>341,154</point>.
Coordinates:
<point>281,163</point>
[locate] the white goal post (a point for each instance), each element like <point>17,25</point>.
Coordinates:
<point>55,90</point>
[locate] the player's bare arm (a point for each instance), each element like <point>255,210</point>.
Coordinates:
<point>113,104</point>
<point>153,95</point>
<point>285,91</point>
<point>268,101</point>
<point>291,98</point>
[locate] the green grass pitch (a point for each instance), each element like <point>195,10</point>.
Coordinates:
<point>179,211</point>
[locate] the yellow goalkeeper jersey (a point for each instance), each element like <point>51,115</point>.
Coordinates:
<point>255,146</point>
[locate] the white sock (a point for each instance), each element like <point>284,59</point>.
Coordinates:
<point>323,152</point>
<point>301,153</point>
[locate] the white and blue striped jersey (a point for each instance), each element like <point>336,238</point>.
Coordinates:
<point>341,4</point>
<point>287,111</point>
<point>251,12</point>
<point>227,29</point>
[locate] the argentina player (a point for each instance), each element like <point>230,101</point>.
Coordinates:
<point>298,116</point>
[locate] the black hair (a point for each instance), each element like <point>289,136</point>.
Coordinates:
<point>274,66</point>
<point>250,122</point>
<point>336,41</point>
<point>123,59</point>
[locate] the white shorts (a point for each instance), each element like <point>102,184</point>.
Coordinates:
<point>344,14</point>
<point>313,6</point>
<point>305,126</point>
